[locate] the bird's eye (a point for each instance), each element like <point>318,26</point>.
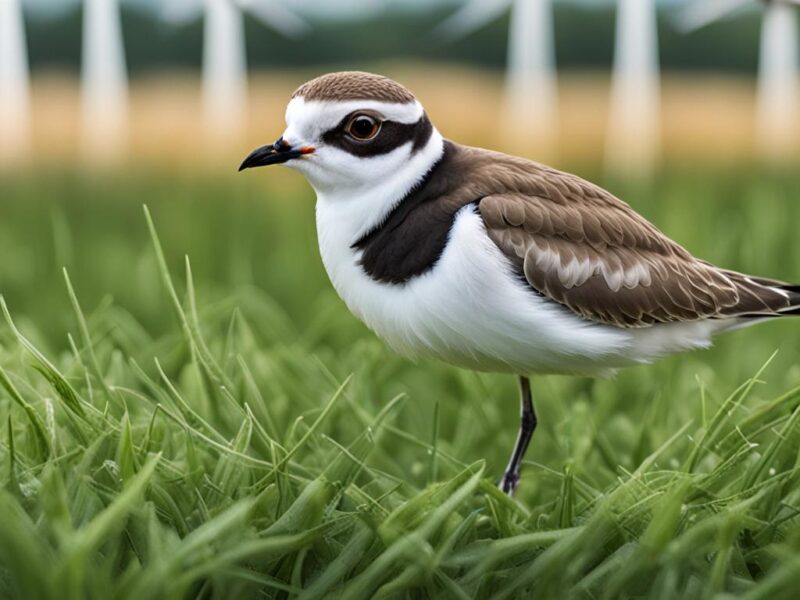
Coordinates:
<point>363,127</point>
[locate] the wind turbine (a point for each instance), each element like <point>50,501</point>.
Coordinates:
<point>634,117</point>
<point>531,83</point>
<point>14,83</point>
<point>778,93</point>
<point>224,54</point>
<point>104,81</point>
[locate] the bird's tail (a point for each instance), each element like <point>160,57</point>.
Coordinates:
<point>793,293</point>
<point>764,298</point>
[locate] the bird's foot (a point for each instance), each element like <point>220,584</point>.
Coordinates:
<point>508,484</point>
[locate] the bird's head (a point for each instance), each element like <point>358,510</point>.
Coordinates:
<point>352,131</point>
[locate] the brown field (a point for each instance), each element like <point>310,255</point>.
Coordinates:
<point>704,118</point>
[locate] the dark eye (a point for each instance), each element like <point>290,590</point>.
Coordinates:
<point>363,127</point>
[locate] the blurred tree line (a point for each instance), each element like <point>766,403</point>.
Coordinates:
<point>584,40</point>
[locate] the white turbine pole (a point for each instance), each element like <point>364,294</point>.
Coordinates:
<point>532,83</point>
<point>778,93</point>
<point>224,69</point>
<point>14,83</point>
<point>225,58</point>
<point>634,121</point>
<point>531,115</point>
<point>104,80</point>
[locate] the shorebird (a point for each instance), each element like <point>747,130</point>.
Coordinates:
<point>493,262</point>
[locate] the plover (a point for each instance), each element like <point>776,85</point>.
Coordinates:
<point>493,262</point>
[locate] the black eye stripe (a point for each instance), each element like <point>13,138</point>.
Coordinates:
<point>392,135</point>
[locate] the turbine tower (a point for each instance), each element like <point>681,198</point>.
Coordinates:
<point>531,83</point>
<point>634,119</point>
<point>778,92</point>
<point>14,84</point>
<point>104,81</point>
<point>224,55</point>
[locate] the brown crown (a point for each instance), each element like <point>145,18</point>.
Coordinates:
<point>354,85</point>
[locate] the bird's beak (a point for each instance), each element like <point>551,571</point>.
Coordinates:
<point>274,154</point>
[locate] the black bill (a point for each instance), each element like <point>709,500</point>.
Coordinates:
<point>273,154</point>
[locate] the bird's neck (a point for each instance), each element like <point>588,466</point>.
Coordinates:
<point>355,211</point>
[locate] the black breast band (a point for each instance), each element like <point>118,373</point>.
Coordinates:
<point>412,238</point>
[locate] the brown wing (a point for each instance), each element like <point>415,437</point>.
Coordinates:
<point>582,247</point>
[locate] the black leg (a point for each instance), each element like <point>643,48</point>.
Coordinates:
<point>527,426</point>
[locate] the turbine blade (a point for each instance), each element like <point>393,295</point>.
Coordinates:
<point>699,13</point>
<point>276,16</point>
<point>470,17</point>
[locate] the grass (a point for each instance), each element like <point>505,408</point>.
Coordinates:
<point>221,427</point>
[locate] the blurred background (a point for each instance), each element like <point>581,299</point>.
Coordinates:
<point>632,84</point>
<point>687,110</point>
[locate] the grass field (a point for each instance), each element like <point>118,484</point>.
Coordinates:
<point>230,431</point>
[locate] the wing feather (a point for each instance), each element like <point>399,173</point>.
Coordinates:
<point>585,249</point>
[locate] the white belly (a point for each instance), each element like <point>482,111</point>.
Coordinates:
<point>472,311</point>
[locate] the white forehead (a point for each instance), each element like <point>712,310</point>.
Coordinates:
<point>310,119</point>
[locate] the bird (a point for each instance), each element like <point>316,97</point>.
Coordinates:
<point>493,262</point>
